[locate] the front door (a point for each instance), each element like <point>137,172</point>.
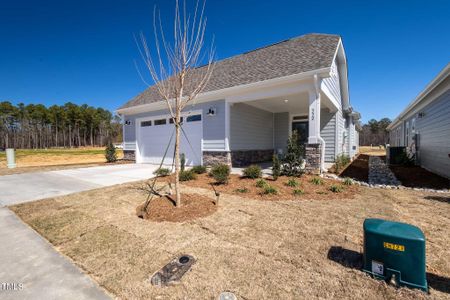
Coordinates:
<point>302,129</point>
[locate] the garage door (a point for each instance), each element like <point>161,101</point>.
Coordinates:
<point>153,135</point>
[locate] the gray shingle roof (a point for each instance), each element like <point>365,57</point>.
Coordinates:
<point>297,55</point>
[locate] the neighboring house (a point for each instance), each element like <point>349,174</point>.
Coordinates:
<point>424,126</point>
<point>251,105</point>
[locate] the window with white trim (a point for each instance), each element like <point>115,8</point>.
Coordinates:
<point>194,118</point>
<point>160,122</point>
<point>407,134</point>
<point>146,123</point>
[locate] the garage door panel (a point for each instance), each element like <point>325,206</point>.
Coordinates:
<point>153,141</point>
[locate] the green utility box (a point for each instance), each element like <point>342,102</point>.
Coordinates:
<point>395,249</point>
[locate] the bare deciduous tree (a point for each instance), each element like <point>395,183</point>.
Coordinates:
<point>175,67</point>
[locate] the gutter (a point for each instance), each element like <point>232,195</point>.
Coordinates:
<point>222,93</point>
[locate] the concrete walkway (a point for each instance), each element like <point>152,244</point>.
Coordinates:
<point>25,187</point>
<point>32,269</point>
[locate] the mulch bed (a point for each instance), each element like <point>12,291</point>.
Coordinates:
<point>358,169</point>
<point>193,206</point>
<point>418,177</point>
<point>311,191</point>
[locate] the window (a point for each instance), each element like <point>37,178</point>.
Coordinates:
<point>160,122</point>
<point>413,126</point>
<point>171,120</point>
<point>194,118</point>
<point>146,123</point>
<point>407,134</point>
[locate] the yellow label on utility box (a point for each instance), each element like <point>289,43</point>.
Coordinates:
<point>392,246</point>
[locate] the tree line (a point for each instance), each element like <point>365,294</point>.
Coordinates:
<point>375,132</point>
<point>69,125</point>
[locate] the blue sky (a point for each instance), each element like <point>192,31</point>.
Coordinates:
<point>83,51</point>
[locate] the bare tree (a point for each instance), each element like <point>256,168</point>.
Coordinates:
<point>175,68</point>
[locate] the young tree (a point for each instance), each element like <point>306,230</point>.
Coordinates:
<point>175,71</point>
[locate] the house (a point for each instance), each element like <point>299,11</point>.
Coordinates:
<point>424,126</point>
<point>251,105</point>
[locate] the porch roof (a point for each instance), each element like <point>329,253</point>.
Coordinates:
<point>294,56</point>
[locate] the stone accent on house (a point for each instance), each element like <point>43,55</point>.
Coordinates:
<point>312,158</point>
<point>211,158</point>
<point>242,158</point>
<point>129,155</point>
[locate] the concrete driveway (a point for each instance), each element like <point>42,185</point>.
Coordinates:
<point>25,187</point>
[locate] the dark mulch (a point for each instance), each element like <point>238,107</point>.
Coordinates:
<point>246,188</point>
<point>416,176</point>
<point>358,169</point>
<point>193,206</point>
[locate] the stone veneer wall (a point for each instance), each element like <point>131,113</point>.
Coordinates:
<point>242,158</point>
<point>313,157</point>
<point>211,158</point>
<point>129,155</point>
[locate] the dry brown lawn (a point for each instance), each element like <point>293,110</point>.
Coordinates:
<point>375,150</point>
<point>258,249</point>
<point>32,160</point>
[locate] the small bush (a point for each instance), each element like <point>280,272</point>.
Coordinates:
<point>220,173</point>
<point>261,183</point>
<point>110,153</point>
<point>292,161</point>
<point>187,175</point>
<point>182,161</point>
<point>348,181</point>
<point>336,188</point>
<point>276,167</point>
<point>252,171</point>
<point>298,192</point>
<point>161,172</point>
<point>292,182</point>
<point>317,181</point>
<point>242,190</point>
<point>198,169</point>
<point>269,190</point>
<point>340,162</point>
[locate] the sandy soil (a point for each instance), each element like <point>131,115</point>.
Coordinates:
<point>296,249</point>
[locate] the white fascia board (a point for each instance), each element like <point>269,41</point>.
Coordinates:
<point>227,92</point>
<point>417,104</point>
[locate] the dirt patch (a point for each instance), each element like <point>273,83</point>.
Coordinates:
<point>358,169</point>
<point>256,249</point>
<point>163,209</point>
<point>246,188</point>
<point>416,176</point>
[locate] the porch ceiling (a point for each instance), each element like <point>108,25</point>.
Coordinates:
<point>295,103</point>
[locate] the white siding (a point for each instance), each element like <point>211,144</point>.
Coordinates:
<point>328,133</point>
<point>250,128</point>
<point>332,83</point>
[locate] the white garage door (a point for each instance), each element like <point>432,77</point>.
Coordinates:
<point>153,136</point>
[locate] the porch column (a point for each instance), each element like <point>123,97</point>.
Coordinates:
<point>313,150</point>
<point>314,113</point>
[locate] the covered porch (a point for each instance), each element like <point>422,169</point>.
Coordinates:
<point>259,124</point>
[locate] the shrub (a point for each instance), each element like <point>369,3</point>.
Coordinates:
<point>182,161</point>
<point>161,172</point>
<point>292,182</point>
<point>292,161</point>
<point>187,175</point>
<point>336,188</point>
<point>261,183</point>
<point>340,162</point>
<point>252,171</point>
<point>317,181</point>
<point>198,169</point>
<point>110,153</point>
<point>276,167</point>
<point>298,192</point>
<point>348,181</point>
<point>220,173</point>
<point>269,190</point>
<point>242,190</point>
